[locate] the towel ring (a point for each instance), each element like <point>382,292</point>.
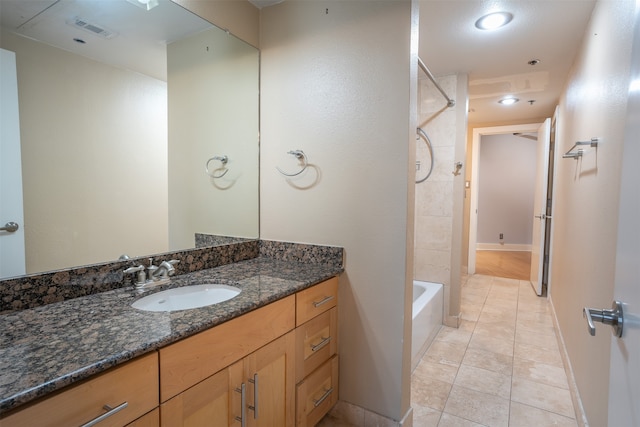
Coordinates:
<point>223,160</point>
<point>298,154</point>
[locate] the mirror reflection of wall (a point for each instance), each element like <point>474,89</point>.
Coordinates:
<point>95,142</point>
<point>212,111</point>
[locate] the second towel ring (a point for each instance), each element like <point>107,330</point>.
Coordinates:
<point>298,154</point>
<point>223,160</point>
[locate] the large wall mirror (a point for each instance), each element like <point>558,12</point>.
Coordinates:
<point>138,129</point>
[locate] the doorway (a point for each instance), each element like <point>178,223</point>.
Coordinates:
<point>502,201</point>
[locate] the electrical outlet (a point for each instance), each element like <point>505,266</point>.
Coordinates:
<point>501,236</point>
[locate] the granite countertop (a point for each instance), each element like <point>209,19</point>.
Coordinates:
<point>46,348</point>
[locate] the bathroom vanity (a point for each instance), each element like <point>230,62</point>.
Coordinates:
<point>266,357</point>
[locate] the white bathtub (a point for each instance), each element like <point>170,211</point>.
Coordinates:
<point>428,301</point>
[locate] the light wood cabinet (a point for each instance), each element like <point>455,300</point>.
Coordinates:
<point>316,352</point>
<point>193,359</point>
<point>133,387</point>
<point>316,300</point>
<point>317,394</point>
<point>263,381</point>
<point>152,419</point>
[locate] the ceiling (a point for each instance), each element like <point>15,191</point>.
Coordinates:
<point>133,38</point>
<point>497,61</point>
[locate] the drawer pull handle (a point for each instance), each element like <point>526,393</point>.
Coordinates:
<point>326,394</point>
<point>110,411</point>
<point>324,300</point>
<point>321,344</point>
<point>243,402</point>
<point>254,408</point>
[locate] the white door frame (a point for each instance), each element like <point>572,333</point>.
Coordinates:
<point>478,133</point>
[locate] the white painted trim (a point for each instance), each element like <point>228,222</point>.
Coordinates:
<point>512,247</point>
<point>475,173</point>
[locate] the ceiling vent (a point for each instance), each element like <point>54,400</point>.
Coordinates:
<point>92,28</point>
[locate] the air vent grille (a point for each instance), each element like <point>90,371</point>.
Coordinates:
<point>93,28</point>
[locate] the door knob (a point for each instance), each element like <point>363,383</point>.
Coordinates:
<point>613,317</point>
<point>10,227</point>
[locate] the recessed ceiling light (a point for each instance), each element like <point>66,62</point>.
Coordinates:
<point>508,100</point>
<point>534,62</point>
<point>494,20</point>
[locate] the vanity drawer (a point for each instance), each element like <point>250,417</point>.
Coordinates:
<point>316,342</point>
<point>193,359</point>
<point>316,300</point>
<point>134,383</point>
<point>317,394</point>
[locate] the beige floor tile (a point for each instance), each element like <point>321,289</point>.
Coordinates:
<point>549,342</point>
<point>466,325</point>
<point>483,380</point>
<point>534,327</point>
<point>374,420</point>
<point>470,313</point>
<point>458,335</point>
<point>542,319</point>
<point>423,416</point>
<point>527,416</point>
<point>478,407</point>
<point>495,345</point>
<point>539,372</point>
<point>489,360</point>
<point>448,353</point>
<point>542,396</point>
<point>348,413</point>
<point>496,329</point>
<point>539,354</point>
<point>448,420</point>
<point>429,392</point>
<point>437,371</point>
<point>330,421</point>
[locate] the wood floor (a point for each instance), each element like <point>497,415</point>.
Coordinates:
<point>514,265</point>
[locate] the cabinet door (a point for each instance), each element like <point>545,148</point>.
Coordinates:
<point>270,374</point>
<point>205,404</point>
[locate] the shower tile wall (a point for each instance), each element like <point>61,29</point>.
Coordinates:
<point>434,197</point>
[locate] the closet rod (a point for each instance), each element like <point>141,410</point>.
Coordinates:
<point>450,102</point>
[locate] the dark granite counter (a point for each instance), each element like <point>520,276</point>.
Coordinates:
<point>46,348</point>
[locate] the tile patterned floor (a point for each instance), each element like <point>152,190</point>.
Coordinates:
<point>502,367</point>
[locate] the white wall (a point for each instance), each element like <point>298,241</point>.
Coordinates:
<point>338,80</point>
<point>94,158</point>
<point>586,199</point>
<point>506,189</point>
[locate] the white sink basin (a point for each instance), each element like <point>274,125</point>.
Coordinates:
<point>187,297</point>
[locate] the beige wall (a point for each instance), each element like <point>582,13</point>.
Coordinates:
<point>239,17</point>
<point>338,79</point>
<point>213,85</point>
<point>586,198</point>
<point>436,207</point>
<point>94,148</point>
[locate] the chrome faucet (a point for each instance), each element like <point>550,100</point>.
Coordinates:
<point>158,275</point>
<point>163,271</point>
<point>142,275</point>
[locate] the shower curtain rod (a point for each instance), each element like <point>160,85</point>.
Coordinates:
<point>450,102</point>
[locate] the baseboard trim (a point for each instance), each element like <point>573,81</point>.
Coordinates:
<point>581,416</point>
<point>511,247</point>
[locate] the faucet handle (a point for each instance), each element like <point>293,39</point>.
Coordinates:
<point>142,276</point>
